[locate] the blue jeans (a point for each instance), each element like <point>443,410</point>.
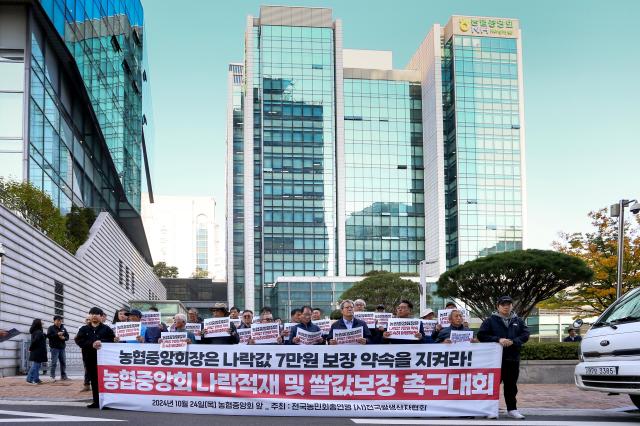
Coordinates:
<point>34,373</point>
<point>55,355</point>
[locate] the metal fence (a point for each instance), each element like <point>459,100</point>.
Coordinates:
<point>75,367</point>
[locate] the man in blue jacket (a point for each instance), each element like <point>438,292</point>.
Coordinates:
<point>347,322</point>
<point>506,328</point>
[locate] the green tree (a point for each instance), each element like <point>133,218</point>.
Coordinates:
<point>599,250</point>
<point>528,276</point>
<point>200,273</point>
<point>36,208</point>
<point>163,271</point>
<point>78,223</point>
<point>386,288</point>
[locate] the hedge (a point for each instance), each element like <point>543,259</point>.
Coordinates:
<point>550,350</point>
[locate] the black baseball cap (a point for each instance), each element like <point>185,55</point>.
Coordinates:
<point>505,299</point>
<point>96,311</point>
<point>134,312</point>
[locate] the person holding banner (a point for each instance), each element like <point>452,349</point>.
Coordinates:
<point>506,328</point>
<point>153,333</point>
<point>90,338</point>
<point>359,305</point>
<point>134,316</point>
<point>404,310</point>
<point>456,323</point>
<point>219,310</point>
<point>316,315</point>
<point>347,322</point>
<point>309,330</point>
<point>246,319</point>
<point>180,325</point>
<point>234,313</point>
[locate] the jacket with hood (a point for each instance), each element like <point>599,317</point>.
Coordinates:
<point>496,327</point>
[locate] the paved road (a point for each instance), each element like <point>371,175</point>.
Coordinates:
<point>31,413</point>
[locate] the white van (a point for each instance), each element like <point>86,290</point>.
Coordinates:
<point>610,351</point>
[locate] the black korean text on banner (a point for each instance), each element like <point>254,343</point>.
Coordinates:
<point>289,380</point>
<point>443,317</point>
<point>195,328</point>
<point>265,333</point>
<point>128,330</point>
<point>368,317</point>
<point>216,327</point>
<point>403,328</point>
<point>348,337</point>
<point>428,326</point>
<point>174,341</point>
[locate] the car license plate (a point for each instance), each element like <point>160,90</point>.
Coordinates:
<point>601,371</point>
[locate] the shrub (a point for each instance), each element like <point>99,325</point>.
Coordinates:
<point>550,350</point>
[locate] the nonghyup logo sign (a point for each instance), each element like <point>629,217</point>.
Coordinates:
<point>488,27</point>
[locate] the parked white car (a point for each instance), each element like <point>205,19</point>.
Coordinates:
<point>610,350</point>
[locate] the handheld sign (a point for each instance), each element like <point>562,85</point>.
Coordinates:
<point>244,334</point>
<point>11,333</point>
<point>309,337</point>
<point>325,326</point>
<point>235,321</point>
<point>289,326</point>
<point>443,317</point>
<point>368,317</point>
<point>173,341</point>
<point>195,328</point>
<point>383,318</point>
<point>403,328</point>
<point>458,336</point>
<point>347,337</point>
<point>216,327</point>
<point>128,331</point>
<point>428,326</point>
<point>265,333</point>
<point>150,319</point>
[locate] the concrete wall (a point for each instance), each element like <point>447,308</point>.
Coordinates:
<point>547,371</point>
<point>95,276</point>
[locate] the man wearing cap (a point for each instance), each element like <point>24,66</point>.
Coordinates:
<point>506,328</point>
<point>219,310</point>
<point>90,338</point>
<point>134,316</point>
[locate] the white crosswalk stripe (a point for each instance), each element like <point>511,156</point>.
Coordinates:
<point>28,417</point>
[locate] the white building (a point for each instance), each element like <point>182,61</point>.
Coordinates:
<point>183,232</point>
<point>40,279</point>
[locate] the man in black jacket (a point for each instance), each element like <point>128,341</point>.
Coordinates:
<point>219,310</point>
<point>58,336</point>
<point>348,321</point>
<point>506,328</point>
<point>90,338</point>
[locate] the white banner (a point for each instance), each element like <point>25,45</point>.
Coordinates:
<point>216,327</point>
<point>348,336</point>
<point>284,380</point>
<point>265,333</point>
<point>461,336</point>
<point>368,317</point>
<point>150,319</point>
<point>127,330</point>
<point>195,328</point>
<point>382,319</point>
<point>309,337</point>
<point>325,325</point>
<point>174,341</point>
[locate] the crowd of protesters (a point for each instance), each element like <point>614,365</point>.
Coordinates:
<point>503,327</point>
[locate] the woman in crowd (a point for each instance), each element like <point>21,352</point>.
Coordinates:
<point>37,352</point>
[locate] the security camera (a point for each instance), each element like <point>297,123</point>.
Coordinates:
<point>635,208</point>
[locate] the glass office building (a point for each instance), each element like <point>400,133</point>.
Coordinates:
<point>54,129</point>
<point>339,164</point>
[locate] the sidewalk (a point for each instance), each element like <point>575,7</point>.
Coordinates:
<point>529,395</point>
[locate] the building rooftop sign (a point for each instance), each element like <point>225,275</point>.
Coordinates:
<point>484,26</point>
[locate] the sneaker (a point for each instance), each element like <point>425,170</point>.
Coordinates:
<point>64,378</point>
<point>53,380</point>
<point>29,382</point>
<point>492,416</point>
<point>86,388</point>
<point>93,405</point>
<point>515,414</point>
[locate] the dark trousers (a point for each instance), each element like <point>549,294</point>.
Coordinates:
<point>92,370</point>
<point>509,376</point>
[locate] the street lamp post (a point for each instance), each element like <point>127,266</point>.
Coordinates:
<point>617,210</point>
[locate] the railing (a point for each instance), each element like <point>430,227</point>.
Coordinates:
<point>75,367</point>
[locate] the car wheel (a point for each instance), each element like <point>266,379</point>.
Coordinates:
<point>636,400</point>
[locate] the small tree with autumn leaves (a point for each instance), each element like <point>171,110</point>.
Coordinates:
<point>599,250</point>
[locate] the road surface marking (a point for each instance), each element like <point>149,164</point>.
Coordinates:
<point>47,418</point>
<point>500,422</point>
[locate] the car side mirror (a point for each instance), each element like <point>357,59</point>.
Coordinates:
<point>577,323</point>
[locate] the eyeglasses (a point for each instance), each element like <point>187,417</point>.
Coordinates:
<point>267,319</point>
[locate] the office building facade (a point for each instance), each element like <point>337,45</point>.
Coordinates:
<point>339,164</point>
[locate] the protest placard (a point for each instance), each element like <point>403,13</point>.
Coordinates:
<point>296,380</point>
<point>150,319</point>
<point>347,337</point>
<point>458,336</point>
<point>174,341</point>
<point>235,321</point>
<point>216,327</point>
<point>382,319</point>
<point>443,317</point>
<point>195,328</point>
<point>128,330</point>
<point>265,333</point>
<point>11,333</point>
<point>288,326</point>
<point>428,326</point>
<point>403,328</point>
<point>325,325</point>
<point>244,334</point>
<point>368,317</point>
<point>309,337</point>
